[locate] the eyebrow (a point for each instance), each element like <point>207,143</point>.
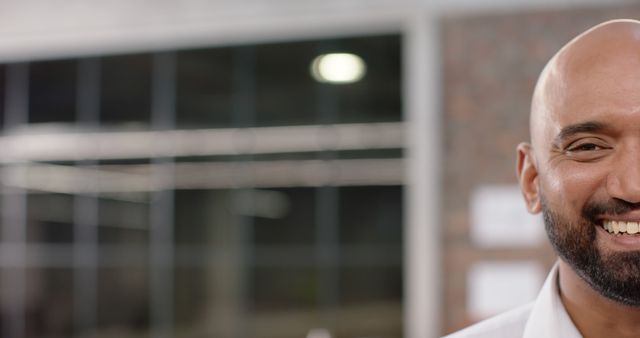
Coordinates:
<point>584,127</point>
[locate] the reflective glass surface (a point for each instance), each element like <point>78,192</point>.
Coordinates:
<point>52,91</point>
<point>122,221</point>
<point>371,215</point>
<point>126,90</point>
<point>204,88</point>
<point>147,216</point>
<point>282,216</point>
<point>2,92</point>
<point>49,308</point>
<point>204,218</point>
<point>50,218</point>
<point>127,314</point>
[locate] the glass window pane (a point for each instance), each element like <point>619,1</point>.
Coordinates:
<point>49,311</point>
<point>370,302</point>
<point>52,91</point>
<point>123,221</point>
<point>283,216</point>
<point>249,262</point>
<point>371,215</point>
<point>3,81</point>
<point>206,302</point>
<point>204,88</point>
<point>123,306</point>
<point>278,288</point>
<point>285,90</point>
<point>370,284</point>
<point>377,97</point>
<point>190,285</point>
<point>369,153</point>
<point>49,218</point>
<point>126,90</point>
<point>287,94</point>
<point>204,217</point>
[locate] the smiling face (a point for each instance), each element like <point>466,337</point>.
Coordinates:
<point>582,169</point>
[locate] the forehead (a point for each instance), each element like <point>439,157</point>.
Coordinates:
<point>605,89</point>
<point>595,77</point>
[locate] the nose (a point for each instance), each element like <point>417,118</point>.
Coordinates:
<point>623,182</point>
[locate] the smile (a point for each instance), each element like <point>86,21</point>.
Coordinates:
<point>621,227</point>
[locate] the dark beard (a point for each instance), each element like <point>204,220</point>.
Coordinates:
<point>615,275</point>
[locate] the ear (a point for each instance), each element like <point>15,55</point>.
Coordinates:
<point>528,177</point>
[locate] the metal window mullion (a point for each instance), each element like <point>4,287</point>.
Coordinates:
<point>14,208</point>
<point>328,252</point>
<point>421,235</point>
<point>243,116</point>
<point>85,206</point>
<point>161,237</point>
<point>327,207</point>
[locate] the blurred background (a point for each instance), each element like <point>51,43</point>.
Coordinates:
<point>269,168</point>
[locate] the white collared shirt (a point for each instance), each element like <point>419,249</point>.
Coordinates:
<point>545,317</point>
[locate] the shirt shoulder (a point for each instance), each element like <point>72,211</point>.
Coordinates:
<point>509,324</point>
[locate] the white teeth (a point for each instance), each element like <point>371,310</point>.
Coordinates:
<point>616,227</point>
<point>622,226</point>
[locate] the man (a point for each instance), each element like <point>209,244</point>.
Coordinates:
<point>582,171</point>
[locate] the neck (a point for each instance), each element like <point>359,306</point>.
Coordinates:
<point>593,314</point>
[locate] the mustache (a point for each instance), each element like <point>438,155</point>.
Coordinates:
<point>613,207</point>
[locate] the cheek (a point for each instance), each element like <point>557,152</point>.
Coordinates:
<point>571,185</point>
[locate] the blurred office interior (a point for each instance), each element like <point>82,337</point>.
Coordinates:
<point>274,168</point>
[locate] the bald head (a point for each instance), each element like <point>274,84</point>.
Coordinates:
<point>590,65</point>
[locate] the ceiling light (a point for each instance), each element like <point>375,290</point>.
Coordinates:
<point>338,68</point>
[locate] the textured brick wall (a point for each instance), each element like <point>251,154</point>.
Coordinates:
<point>491,63</point>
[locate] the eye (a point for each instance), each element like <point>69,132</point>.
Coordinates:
<point>585,147</point>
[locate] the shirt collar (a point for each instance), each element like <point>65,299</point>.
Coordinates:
<point>548,316</point>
